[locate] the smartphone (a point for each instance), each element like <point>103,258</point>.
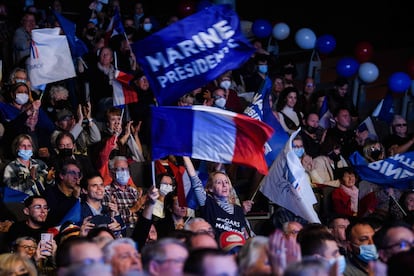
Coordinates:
<point>44,238</point>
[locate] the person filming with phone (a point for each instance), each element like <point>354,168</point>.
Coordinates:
<point>93,213</point>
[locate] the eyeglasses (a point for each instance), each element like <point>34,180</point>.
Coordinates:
<point>400,125</point>
<point>309,85</point>
<point>40,207</point>
<point>74,173</point>
<point>208,232</point>
<point>121,169</point>
<point>173,261</point>
<point>401,245</point>
<point>28,247</point>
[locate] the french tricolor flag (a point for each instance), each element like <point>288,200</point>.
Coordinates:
<point>209,133</point>
<point>123,93</point>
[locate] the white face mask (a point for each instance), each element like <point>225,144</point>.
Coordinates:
<point>220,102</point>
<point>21,98</point>
<point>225,84</point>
<point>165,188</point>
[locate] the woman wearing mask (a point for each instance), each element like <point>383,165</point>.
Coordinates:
<point>24,173</point>
<point>19,100</point>
<point>233,102</point>
<point>165,184</point>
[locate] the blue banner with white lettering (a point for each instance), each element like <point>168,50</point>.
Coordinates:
<point>396,171</point>
<point>192,52</point>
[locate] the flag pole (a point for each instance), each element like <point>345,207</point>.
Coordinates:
<point>260,90</point>
<point>398,204</point>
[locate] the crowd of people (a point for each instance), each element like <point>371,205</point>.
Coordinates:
<point>67,145</point>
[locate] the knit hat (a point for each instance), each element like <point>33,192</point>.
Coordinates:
<point>230,239</point>
<point>68,229</point>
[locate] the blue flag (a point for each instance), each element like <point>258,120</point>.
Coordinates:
<point>77,47</point>
<point>325,115</point>
<point>395,171</point>
<point>74,214</point>
<point>192,52</point>
<point>261,109</point>
<point>13,196</point>
<point>385,109</point>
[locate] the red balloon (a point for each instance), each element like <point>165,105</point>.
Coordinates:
<point>410,68</point>
<point>363,51</point>
<point>186,8</point>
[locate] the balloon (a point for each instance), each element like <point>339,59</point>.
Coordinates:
<point>368,72</point>
<point>363,51</point>
<point>399,82</point>
<point>204,4</point>
<point>410,67</point>
<point>325,44</point>
<point>281,31</point>
<point>305,38</point>
<point>261,28</point>
<point>186,8</point>
<point>347,67</point>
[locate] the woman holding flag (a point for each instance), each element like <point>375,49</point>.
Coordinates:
<point>216,204</point>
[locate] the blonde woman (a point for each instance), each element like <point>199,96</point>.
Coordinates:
<point>15,264</point>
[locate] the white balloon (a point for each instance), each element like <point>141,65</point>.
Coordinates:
<point>305,38</point>
<point>368,72</point>
<point>281,31</point>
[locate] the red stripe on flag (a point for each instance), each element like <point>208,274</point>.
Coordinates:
<point>251,137</point>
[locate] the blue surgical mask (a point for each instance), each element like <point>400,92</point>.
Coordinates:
<point>299,152</point>
<point>25,154</point>
<point>341,263</point>
<point>262,68</point>
<point>122,177</point>
<point>147,27</point>
<point>368,252</point>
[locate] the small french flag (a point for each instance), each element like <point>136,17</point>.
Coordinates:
<point>123,93</point>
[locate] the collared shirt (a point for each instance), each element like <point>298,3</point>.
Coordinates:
<point>19,177</point>
<point>125,199</point>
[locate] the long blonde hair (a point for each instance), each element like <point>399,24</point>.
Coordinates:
<point>9,262</point>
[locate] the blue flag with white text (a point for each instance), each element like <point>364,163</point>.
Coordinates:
<point>396,171</point>
<point>192,52</point>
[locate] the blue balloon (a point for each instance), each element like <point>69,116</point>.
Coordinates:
<point>261,28</point>
<point>368,72</point>
<point>347,67</point>
<point>305,38</point>
<point>325,44</point>
<point>399,82</point>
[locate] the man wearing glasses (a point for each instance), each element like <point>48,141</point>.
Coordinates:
<point>36,209</point>
<point>65,194</point>
<point>392,239</point>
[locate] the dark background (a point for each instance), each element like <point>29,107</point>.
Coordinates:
<point>385,24</point>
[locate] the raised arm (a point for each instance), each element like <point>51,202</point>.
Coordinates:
<point>196,182</point>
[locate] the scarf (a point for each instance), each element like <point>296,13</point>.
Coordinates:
<point>353,193</point>
<point>109,71</point>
